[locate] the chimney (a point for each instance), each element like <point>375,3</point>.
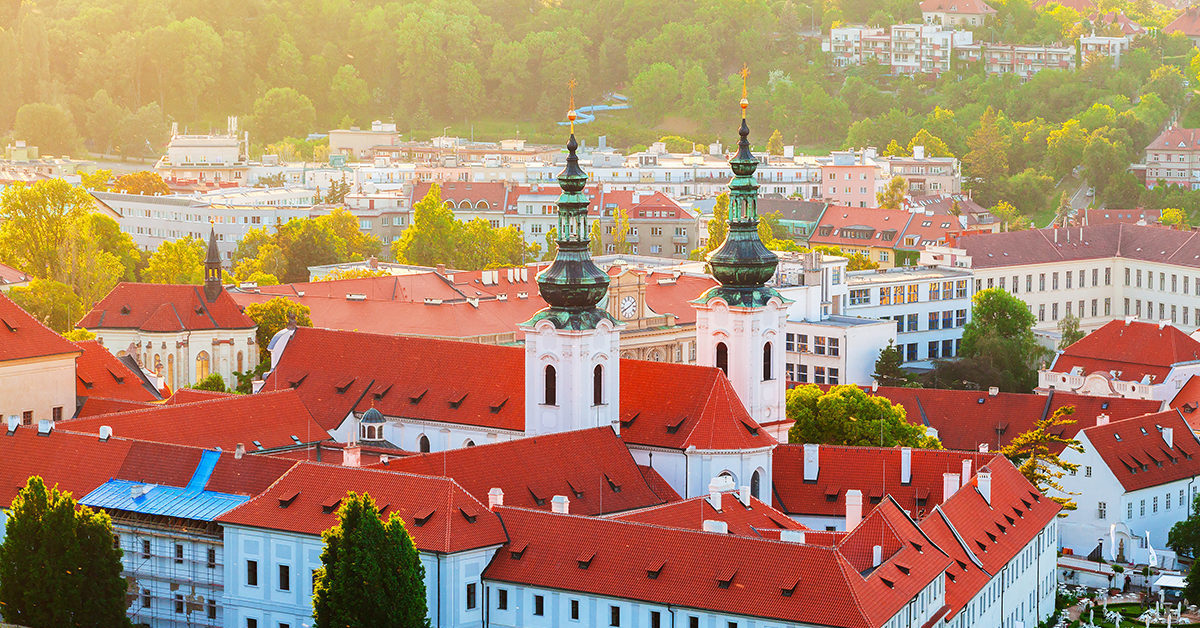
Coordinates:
<point>352,455</point>
<point>949,485</point>
<point>105,432</point>
<point>714,495</point>
<point>1163,323</point>
<point>495,497</point>
<point>1169,436</point>
<point>993,391</point>
<point>983,448</point>
<point>905,465</point>
<point>1101,419</point>
<point>239,451</point>
<point>720,527</point>
<point>744,494</point>
<point>812,462</point>
<point>14,422</point>
<point>441,269</point>
<point>876,555</point>
<point>560,504</point>
<point>966,473</point>
<point>984,481</point>
<point>792,536</point>
<point>853,509</point>
<point>384,459</point>
<point>45,426</point>
<point>1129,319</point>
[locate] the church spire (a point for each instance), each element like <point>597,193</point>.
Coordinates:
<point>573,284</point>
<point>743,264</point>
<point>212,268</point>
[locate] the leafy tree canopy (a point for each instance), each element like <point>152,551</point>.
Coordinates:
<point>846,415</point>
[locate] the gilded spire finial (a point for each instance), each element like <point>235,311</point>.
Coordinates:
<point>571,115</point>
<point>745,102</point>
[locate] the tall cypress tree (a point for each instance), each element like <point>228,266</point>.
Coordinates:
<point>371,575</point>
<point>58,565</point>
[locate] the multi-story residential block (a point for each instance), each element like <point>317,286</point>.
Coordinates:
<point>925,176</point>
<point>1136,479</point>
<point>1098,273</point>
<point>362,143</point>
<point>1022,60</point>
<point>1173,158</point>
<point>873,233</point>
<point>852,178</point>
<point>902,48</point>
<point>197,162</point>
<point>930,306</point>
<point>823,342</point>
<point>37,368</point>
<point>1112,47</point>
<point>956,12</point>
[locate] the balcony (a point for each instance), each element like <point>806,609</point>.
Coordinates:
<point>679,239</point>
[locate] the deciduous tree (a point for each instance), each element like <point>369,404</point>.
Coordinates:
<point>36,220</point>
<point>145,182</point>
<point>53,303</point>
<point>49,127</point>
<point>1034,453</point>
<point>893,194</point>
<point>433,236</point>
<point>177,262</point>
<point>272,316</point>
<point>1069,332</point>
<point>846,415</point>
<point>1000,333</point>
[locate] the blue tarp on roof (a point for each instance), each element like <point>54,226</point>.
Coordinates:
<point>190,502</point>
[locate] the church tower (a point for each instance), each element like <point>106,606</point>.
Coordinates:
<point>572,359</point>
<point>739,324</point>
<point>212,269</point>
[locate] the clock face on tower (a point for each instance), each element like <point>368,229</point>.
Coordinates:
<point>628,307</point>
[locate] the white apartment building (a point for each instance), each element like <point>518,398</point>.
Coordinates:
<point>1097,273</point>
<point>930,307</point>
<point>823,343</point>
<point>904,48</point>
<point>1022,60</point>
<point>1173,158</point>
<point>216,160</point>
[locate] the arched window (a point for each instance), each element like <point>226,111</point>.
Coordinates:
<point>481,205</point>
<point>202,369</point>
<point>469,443</point>
<point>550,397</point>
<point>598,385</point>
<point>464,205</point>
<point>755,484</point>
<point>240,365</point>
<point>423,444</point>
<point>723,357</point>
<point>767,374</point>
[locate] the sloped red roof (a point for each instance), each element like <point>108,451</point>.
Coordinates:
<point>336,372</point>
<point>1104,216</point>
<point>997,532</point>
<point>271,419</point>
<point>965,419</point>
<point>96,406</point>
<point>964,578</point>
<point>1134,348</point>
<point>756,520</point>
<point>1187,401</point>
<point>439,515</point>
<point>79,463</point>
<point>861,227</point>
<point>658,484</point>
<point>164,308</point>
<point>600,476</point>
<point>23,337</point>
<point>492,193</point>
<point>1187,23</point>
<point>872,470</point>
<point>724,573</point>
<point>702,409</point>
<point>1153,243</point>
<point>188,395</point>
<point>968,7</point>
<point>100,374</point>
<point>1136,451</point>
<point>9,275</point>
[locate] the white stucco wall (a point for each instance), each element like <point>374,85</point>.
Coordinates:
<point>38,385</point>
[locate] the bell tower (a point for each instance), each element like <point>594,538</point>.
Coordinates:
<point>739,324</point>
<point>212,268</point>
<point>572,360</point>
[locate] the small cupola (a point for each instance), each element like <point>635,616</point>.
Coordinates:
<point>370,426</point>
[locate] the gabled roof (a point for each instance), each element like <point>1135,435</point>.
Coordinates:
<point>757,519</point>
<point>99,374</point>
<point>1153,243</point>
<point>599,476</point>
<point>861,227</point>
<point>1103,216</point>
<point>964,577</point>
<point>482,385</point>
<point>964,7</point>
<point>1134,348</point>
<point>10,275</point>
<point>491,193</point>
<point>439,515</point>
<point>164,308</point>
<point>96,406</point>
<point>1136,450</point>
<point>872,470</point>
<point>792,209</point>
<point>1187,23</point>
<point>23,337</point>
<point>702,410</point>
<point>723,573</point>
<point>269,419</point>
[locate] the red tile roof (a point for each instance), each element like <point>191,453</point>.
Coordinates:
<point>723,573</point>
<point>1187,401</point>
<point>1187,23</point>
<point>164,308</point>
<point>874,471</point>
<point>189,395</point>
<point>10,275</point>
<point>1153,243</point>
<point>1097,216</point>
<point>100,374</point>
<point>97,406</point>
<point>861,227</point>
<point>493,194</point>
<point>1135,349</point>
<point>1136,451</point>
<point>335,371</point>
<point>271,419</point>
<point>965,419</point>
<point>965,7</point>
<point>964,577</point>
<point>600,476</point>
<point>23,337</point>
<point>439,515</point>
<point>756,520</point>
<point>658,484</point>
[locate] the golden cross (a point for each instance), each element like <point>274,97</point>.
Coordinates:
<point>745,103</point>
<point>571,112</point>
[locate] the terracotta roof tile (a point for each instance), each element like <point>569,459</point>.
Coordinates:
<point>861,227</point>
<point>758,519</point>
<point>1153,243</point>
<point>1136,451</point>
<point>99,374</point>
<point>23,337</point>
<point>1134,348</point>
<point>164,308</point>
<point>1187,23</point>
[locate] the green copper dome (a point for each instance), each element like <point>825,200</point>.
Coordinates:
<point>573,284</point>
<point>742,263</point>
